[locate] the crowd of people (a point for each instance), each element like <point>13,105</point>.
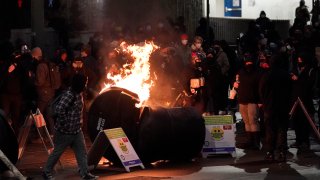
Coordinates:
<point>269,74</point>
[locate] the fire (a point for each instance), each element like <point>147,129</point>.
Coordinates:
<point>135,76</point>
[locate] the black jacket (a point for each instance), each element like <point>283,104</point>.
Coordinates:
<point>275,92</point>
<point>12,83</point>
<point>248,88</point>
<point>302,88</point>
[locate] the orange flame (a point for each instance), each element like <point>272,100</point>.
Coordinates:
<point>135,76</point>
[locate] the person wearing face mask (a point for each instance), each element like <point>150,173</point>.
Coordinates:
<point>247,85</point>
<point>183,50</point>
<point>183,53</point>
<point>205,31</point>
<point>274,91</point>
<point>198,71</point>
<point>222,62</point>
<point>309,41</point>
<point>198,56</point>
<point>302,83</point>
<point>44,85</point>
<point>197,53</point>
<point>263,22</point>
<point>197,44</point>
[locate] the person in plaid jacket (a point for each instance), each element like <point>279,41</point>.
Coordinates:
<point>68,129</point>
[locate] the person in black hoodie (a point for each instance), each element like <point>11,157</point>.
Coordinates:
<point>65,70</point>
<point>247,84</point>
<point>274,90</point>
<point>13,79</point>
<point>302,79</point>
<point>263,22</point>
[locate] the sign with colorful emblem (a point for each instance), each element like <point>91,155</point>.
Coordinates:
<point>220,135</point>
<point>123,148</point>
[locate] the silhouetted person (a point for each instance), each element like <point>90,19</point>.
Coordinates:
<point>263,22</point>
<point>68,132</point>
<point>302,13</point>
<point>248,97</point>
<point>274,90</point>
<point>12,90</point>
<point>302,88</point>
<point>205,31</point>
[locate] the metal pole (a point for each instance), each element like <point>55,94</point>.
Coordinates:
<point>309,119</point>
<point>37,21</point>
<point>208,18</point>
<point>8,163</point>
<point>313,1</point>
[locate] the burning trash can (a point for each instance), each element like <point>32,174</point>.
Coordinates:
<point>155,133</point>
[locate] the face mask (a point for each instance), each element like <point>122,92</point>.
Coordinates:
<point>77,64</point>
<point>198,45</point>
<point>184,42</point>
<point>249,67</point>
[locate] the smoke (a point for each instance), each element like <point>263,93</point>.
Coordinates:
<point>133,13</point>
<point>122,21</point>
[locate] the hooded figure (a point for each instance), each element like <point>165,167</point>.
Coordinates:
<point>274,90</point>
<point>247,84</point>
<point>263,22</point>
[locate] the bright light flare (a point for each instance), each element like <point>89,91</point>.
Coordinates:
<point>135,76</point>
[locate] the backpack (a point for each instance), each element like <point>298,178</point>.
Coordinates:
<point>54,75</point>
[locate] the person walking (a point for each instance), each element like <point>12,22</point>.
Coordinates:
<point>68,130</point>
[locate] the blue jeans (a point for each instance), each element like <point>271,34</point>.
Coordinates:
<point>61,142</point>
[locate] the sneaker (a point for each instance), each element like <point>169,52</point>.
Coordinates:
<point>89,176</point>
<point>47,176</point>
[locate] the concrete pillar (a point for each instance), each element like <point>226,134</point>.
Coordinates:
<point>37,22</point>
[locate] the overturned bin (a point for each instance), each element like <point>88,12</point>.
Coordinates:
<point>155,133</point>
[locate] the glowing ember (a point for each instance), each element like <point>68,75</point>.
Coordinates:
<point>135,76</point>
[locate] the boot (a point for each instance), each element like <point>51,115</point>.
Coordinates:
<point>244,141</point>
<point>249,140</point>
<point>269,156</point>
<point>282,156</point>
<point>255,140</point>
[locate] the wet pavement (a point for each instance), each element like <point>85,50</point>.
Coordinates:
<point>248,164</point>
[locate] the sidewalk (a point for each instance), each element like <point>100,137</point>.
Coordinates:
<point>246,165</point>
